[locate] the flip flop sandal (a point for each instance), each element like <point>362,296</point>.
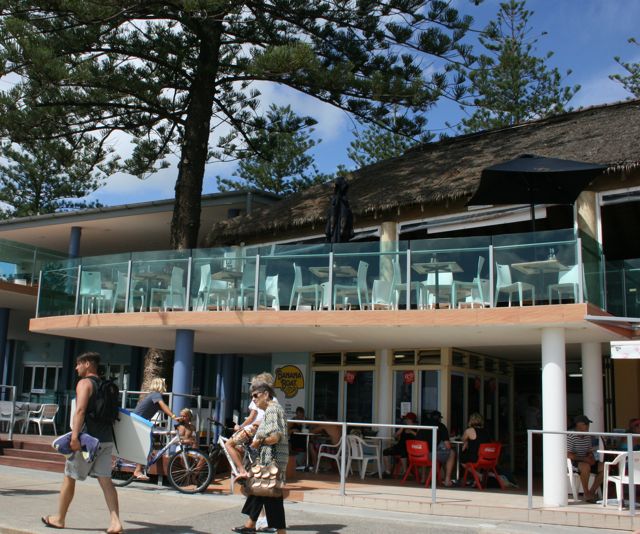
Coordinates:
<point>46,519</point>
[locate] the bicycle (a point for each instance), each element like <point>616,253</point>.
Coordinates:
<point>217,448</point>
<point>190,471</point>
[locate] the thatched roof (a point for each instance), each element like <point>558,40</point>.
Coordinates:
<point>449,170</point>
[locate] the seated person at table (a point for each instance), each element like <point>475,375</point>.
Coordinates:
<point>297,442</point>
<point>399,449</point>
<point>474,436</point>
<point>580,450</point>
<point>445,454</point>
<point>333,434</point>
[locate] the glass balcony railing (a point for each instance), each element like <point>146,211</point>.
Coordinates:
<point>515,269</point>
<point>21,263</point>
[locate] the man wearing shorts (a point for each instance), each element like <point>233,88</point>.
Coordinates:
<point>580,450</point>
<point>76,468</point>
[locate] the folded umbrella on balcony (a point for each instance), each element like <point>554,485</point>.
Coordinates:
<point>530,179</point>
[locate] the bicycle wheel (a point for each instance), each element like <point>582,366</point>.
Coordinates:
<point>190,471</point>
<point>121,471</point>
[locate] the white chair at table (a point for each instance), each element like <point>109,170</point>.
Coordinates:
<point>567,284</point>
<point>174,296</point>
<point>360,289</point>
<point>400,286</point>
<point>623,478</point>
<point>299,291</point>
<point>324,452</point>
<point>575,484</point>
<point>504,284</point>
<point>45,415</point>
<point>475,292</point>
<point>356,446</point>
<point>201,302</point>
<point>19,415</point>
<point>427,291</point>
<point>268,295</point>
<point>248,284</point>
<point>91,291</point>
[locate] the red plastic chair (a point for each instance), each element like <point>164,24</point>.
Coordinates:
<point>488,456</point>
<point>418,455</point>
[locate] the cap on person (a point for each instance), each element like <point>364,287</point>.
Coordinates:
<point>410,415</point>
<point>582,419</point>
<point>435,414</point>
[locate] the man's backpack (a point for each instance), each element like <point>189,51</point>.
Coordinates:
<point>106,401</point>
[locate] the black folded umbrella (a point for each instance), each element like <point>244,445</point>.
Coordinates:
<point>339,227</point>
<point>530,179</point>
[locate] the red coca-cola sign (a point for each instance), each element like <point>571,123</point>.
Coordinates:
<point>350,377</point>
<point>408,377</point>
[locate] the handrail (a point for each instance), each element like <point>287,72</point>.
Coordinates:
<point>629,437</point>
<point>343,446</point>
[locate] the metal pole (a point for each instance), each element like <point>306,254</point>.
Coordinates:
<point>529,469</point>
<point>409,281</point>
<point>75,310</point>
<point>343,458</point>
<point>631,467</point>
<point>187,291</point>
<point>492,302</point>
<point>38,298</point>
<point>12,389</point>
<point>434,462</point>
<point>580,270</point>
<point>256,286</point>
<point>330,284</point>
<point>127,292</point>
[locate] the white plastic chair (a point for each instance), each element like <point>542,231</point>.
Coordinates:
<point>504,284</point>
<point>427,292</point>
<point>575,484</point>
<point>201,302</point>
<point>174,294</point>
<point>475,292</point>
<point>269,296</point>
<point>5,415</point>
<point>360,289</point>
<point>356,446</point>
<point>324,451</point>
<point>567,284</point>
<point>120,293</point>
<point>623,478</point>
<point>91,292</point>
<point>45,415</point>
<point>300,291</point>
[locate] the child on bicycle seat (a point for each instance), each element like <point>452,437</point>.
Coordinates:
<point>186,428</point>
<point>243,436</point>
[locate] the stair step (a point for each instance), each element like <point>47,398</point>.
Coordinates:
<point>29,463</point>
<point>33,445</point>
<point>35,455</point>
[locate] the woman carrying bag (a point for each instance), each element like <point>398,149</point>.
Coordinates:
<point>273,445</point>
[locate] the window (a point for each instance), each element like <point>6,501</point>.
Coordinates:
<point>403,393</point>
<point>359,393</point>
<point>429,392</point>
<point>325,395</point>
<point>40,378</point>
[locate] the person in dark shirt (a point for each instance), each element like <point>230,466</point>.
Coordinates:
<point>147,407</point>
<point>400,447</point>
<point>474,436</point>
<point>76,468</point>
<point>445,454</point>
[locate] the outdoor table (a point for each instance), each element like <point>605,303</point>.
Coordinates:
<point>435,266</point>
<point>231,277</point>
<point>308,435</point>
<point>540,267</point>
<point>342,271</point>
<point>148,277</point>
<point>458,445</point>
<point>381,439</point>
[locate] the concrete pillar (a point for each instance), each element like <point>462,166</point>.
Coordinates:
<point>446,359</point>
<point>384,373</point>
<point>592,389</point>
<point>182,368</point>
<point>586,208</point>
<point>554,417</point>
<point>74,241</point>
<point>388,243</point>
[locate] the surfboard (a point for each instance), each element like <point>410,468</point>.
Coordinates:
<point>134,438</point>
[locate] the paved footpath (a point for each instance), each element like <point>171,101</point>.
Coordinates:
<point>26,495</point>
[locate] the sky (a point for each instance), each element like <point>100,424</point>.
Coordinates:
<point>585,36</point>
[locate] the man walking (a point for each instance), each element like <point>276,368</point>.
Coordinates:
<point>76,468</point>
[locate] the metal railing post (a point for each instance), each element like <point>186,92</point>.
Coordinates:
<point>38,298</point>
<point>187,291</point>
<point>631,467</point>
<point>343,459</point>
<point>409,280</point>
<point>529,469</point>
<point>127,292</point>
<point>580,270</point>
<point>75,310</point>
<point>256,286</point>
<point>492,275</point>
<point>329,286</point>
<point>434,463</point>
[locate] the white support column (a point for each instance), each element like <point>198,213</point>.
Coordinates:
<point>554,410</point>
<point>592,393</point>
<point>385,390</point>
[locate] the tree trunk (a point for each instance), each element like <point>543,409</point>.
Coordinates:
<point>185,223</point>
<point>157,364</point>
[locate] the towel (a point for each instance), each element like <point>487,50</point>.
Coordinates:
<point>89,444</point>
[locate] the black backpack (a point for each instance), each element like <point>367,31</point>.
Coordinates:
<point>106,401</point>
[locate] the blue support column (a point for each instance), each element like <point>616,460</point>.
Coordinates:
<point>182,368</point>
<point>74,241</point>
<point>5,371</point>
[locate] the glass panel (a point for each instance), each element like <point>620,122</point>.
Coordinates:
<point>451,273</point>
<point>504,414</point>
<point>457,405</point>
<point>38,381</point>
<point>474,383</point>
<point>623,287</point>
<point>429,357</point>
<point>359,396</point>
<point>429,393</point>
<point>327,358</point>
<point>325,395</point>
<point>403,393</point>
<point>103,283</point>
<point>360,358</point>
<point>50,380</point>
<point>403,357</point>
<point>490,407</point>
<point>27,376</point>
<point>19,262</point>
<point>58,291</point>
<point>593,265</point>
<point>159,279</point>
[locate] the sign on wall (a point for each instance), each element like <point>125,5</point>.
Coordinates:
<point>290,387</point>
<point>625,350</point>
